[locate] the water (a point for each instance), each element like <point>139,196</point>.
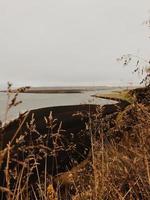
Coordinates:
<point>33,101</point>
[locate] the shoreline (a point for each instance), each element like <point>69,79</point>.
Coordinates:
<point>63,90</point>
<point>64,114</point>
<point>119,96</point>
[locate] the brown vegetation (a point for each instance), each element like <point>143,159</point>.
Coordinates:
<point>115,166</point>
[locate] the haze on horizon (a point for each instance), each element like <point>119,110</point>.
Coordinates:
<point>70,42</point>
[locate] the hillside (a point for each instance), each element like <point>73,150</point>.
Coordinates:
<point>102,152</point>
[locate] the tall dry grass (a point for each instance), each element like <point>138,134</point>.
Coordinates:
<point>121,163</point>
<point>117,167</point>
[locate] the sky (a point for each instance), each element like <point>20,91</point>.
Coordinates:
<point>71,42</point>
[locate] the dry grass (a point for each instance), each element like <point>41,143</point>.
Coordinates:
<point>118,165</point>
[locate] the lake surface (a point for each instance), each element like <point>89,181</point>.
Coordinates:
<point>33,101</point>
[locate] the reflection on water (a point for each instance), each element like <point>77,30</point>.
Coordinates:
<point>33,101</point>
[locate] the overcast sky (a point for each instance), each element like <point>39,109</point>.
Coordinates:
<point>70,42</point>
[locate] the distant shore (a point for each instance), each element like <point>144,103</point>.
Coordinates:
<point>52,91</point>
<point>61,90</point>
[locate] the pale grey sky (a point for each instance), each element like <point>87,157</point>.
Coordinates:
<point>63,42</point>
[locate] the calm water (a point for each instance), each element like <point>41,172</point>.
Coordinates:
<point>33,101</point>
